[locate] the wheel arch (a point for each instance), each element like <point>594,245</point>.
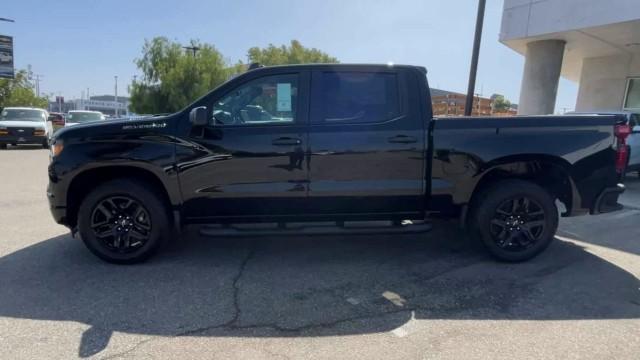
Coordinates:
<point>87,180</point>
<point>552,173</point>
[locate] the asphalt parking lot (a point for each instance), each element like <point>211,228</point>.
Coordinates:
<point>364,297</point>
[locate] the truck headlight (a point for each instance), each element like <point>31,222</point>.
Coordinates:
<point>56,148</point>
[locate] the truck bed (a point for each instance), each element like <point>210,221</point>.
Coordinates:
<point>465,149</point>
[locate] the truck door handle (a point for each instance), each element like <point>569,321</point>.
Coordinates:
<point>402,139</point>
<point>286,141</point>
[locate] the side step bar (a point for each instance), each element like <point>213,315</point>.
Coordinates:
<point>317,228</point>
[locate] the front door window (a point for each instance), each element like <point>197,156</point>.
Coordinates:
<point>269,100</point>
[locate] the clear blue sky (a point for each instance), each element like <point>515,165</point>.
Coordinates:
<point>80,44</point>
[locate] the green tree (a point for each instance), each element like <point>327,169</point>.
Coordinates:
<point>295,53</point>
<point>172,77</point>
<point>19,92</point>
<point>500,104</point>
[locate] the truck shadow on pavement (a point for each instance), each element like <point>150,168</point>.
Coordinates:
<point>309,286</point>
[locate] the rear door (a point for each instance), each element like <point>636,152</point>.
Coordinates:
<point>367,142</point>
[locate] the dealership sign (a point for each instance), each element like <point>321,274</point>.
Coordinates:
<point>6,57</point>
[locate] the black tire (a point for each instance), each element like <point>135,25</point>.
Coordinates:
<point>45,144</point>
<point>3,146</point>
<point>525,233</point>
<point>123,248</point>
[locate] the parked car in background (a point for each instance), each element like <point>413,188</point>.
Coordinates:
<point>24,125</point>
<point>633,141</point>
<point>634,145</point>
<point>75,117</point>
<point>57,121</point>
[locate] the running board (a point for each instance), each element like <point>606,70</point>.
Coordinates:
<point>317,228</point>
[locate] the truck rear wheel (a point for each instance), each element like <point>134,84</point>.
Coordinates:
<point>123,222</point>
<point>515,219</point>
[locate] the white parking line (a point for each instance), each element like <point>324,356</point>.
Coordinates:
<point>353,301</point>
<point>396,299</point>
<point>400,332</point>
<point>407,328</point>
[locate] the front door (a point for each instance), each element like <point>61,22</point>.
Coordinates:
<point>249,162</point>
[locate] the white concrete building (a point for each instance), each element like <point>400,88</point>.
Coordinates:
<point>105,104</point>
<point>593,42</point>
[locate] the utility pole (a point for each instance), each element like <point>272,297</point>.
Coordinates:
<point>116,77</point>
<point>474,57</point>
<point>192,48</point>
<point>38,78</point>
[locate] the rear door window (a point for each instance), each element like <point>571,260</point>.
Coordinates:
<point>357,97</point>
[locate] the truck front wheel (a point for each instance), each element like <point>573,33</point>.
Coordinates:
<point>123,222</point>
<point>515,219</point>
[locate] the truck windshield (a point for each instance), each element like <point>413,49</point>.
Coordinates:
<point>81,117</point>
<point>21,115</point>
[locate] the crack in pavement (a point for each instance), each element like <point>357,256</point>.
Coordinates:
<point>232,325</point>
<point>236,315</point>
<point>236,302</point>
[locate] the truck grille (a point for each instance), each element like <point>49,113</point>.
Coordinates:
<point>20,131</point>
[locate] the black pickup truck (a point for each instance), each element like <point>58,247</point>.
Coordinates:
<point>336,149</point>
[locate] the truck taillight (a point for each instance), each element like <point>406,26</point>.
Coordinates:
<point>621,132</point>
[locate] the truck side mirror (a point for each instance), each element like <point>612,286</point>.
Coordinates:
<point>198,116</point>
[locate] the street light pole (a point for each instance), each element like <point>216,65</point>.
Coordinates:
<point>193,49</point>
<point>474,58</point>
<point>116,77</point>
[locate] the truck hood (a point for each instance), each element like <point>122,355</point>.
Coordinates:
<point>113,129</point>
<point>31,124</point>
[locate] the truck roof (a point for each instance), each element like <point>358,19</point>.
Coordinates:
<point>341,65</point>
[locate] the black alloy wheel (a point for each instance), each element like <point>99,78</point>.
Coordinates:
<point>121,223</point>
<point>124,221</point>
<point>518,223</point>
<point>514,219</point>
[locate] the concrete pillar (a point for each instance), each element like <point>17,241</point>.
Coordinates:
<point>540,79</point>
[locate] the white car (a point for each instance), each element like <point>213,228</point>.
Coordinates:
<point>24,125</point>
<point>75,117</point>
<point>634,144</point>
